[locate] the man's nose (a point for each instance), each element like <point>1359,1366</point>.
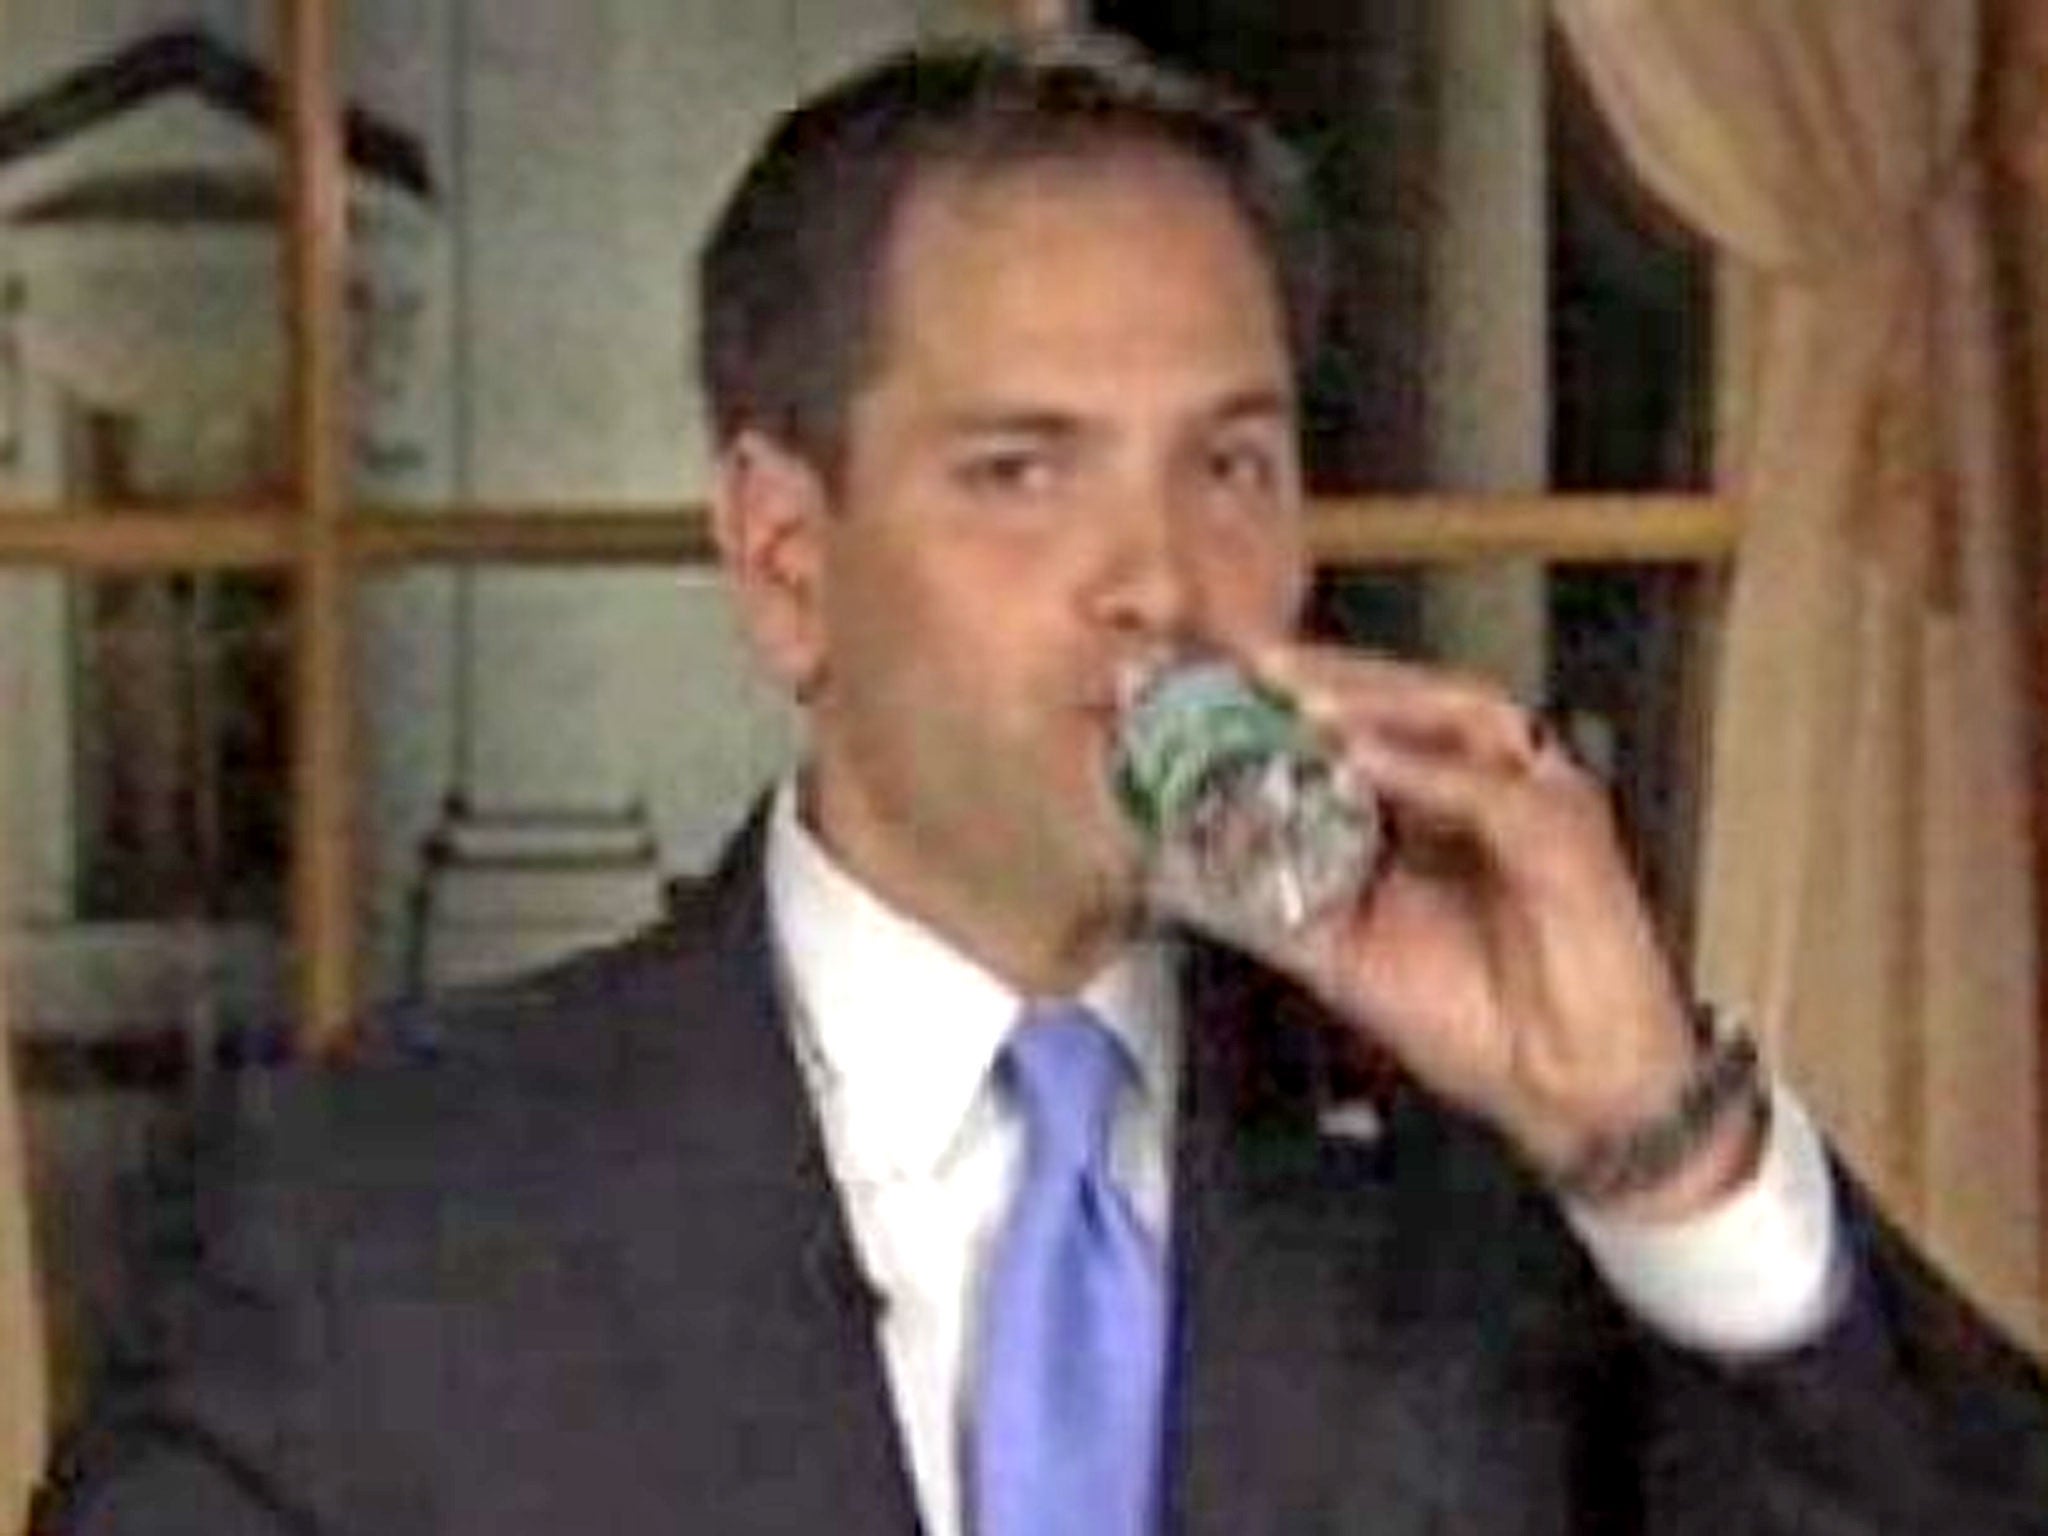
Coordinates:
<point>1148,577</point>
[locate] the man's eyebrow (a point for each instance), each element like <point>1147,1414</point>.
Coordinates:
<point>1258,404</point>
<point>1012,421</point>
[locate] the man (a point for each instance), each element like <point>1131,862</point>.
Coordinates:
<point>760,1222</point>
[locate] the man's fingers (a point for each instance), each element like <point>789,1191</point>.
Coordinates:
<point>1346,694</point>
<point>1444,793</point>
<point>1456,759</point>
<point>1524,819</point>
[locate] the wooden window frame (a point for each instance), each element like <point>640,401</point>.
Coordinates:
<point>321,545</point>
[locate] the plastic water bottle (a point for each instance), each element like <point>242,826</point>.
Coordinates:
<point>1251,829</point>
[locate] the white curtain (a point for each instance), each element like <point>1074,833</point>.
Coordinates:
<point>1867,885</point>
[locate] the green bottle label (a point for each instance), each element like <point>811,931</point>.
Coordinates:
<point>1187,725</point>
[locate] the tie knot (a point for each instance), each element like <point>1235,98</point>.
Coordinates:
<point>1066,1069</point>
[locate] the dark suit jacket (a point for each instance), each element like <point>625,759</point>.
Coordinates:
<point>585,1271</point>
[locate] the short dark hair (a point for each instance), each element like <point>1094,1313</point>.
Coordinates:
<point>789,279</point>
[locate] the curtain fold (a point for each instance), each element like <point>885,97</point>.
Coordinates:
<point>1866,879</point>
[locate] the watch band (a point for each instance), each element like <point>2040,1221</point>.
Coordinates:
<point>1728,1074</point>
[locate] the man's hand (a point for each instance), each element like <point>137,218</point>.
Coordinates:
<point>1503,953</point>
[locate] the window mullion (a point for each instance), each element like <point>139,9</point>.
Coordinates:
<point>324,778</point>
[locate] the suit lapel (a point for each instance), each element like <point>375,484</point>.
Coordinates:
<point>741,1272</point>
<point>1277,1238</point>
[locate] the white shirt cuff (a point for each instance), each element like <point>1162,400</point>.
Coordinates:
<point>1758,1274</point>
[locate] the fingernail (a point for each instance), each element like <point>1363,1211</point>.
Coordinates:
<point>1270,660</point>
<point>1320,709</point>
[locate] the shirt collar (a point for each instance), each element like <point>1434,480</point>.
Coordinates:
<point>897,1027</point>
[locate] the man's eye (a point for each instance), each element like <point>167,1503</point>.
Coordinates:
<point>1250,469</point>
<point>1009,472</point>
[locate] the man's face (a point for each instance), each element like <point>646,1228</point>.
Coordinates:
<point>1078,442</point>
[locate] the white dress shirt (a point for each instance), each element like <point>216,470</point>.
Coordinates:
<point>897,1031</point>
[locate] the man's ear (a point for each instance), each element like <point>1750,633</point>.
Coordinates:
<point>768,509</point>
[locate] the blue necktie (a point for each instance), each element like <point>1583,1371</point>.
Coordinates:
<point>1066,1436</point>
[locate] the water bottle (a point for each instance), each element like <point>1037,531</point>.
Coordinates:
<point>1251,830</point>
